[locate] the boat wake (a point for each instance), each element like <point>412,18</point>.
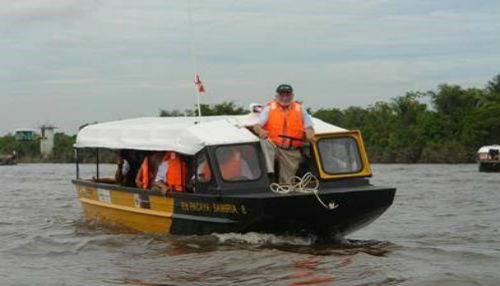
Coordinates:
<point>254,238</point>
<point>311,245</point>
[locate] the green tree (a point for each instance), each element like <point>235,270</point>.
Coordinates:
<point>224,108</point>
<point>8,144</point>
<point>330,115</point>
<point>63,148</point>
<point>493,85</point>
<point>173,113</point>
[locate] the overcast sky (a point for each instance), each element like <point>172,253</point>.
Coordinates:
<point>69,62</point>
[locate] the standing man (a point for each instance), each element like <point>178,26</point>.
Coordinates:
<point>283,124</point>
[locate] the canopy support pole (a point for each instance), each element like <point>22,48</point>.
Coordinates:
<point>77,163</point>
<point>97,163</point>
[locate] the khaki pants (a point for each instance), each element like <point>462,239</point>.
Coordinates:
<point>288,160</point>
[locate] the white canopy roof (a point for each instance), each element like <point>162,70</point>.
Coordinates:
<point>486,149</point>
<point>181,134</point>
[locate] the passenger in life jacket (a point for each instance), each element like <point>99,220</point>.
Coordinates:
<point>284,125</point>
<point>171,175</point>
<point>232,165</point>
<point>147,172</point>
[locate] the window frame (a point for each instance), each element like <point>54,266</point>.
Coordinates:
<point>357,148</point>
<point>203,153</point>
<point>364,171</point>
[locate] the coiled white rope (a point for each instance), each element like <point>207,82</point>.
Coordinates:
<point>307,184</point>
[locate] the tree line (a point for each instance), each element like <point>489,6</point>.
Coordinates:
<point>28,151</point>
<point>446,125</point>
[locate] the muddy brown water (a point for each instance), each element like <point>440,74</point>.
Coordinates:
<point>443,229</point>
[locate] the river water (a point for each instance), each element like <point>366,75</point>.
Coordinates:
<point>443,229</point>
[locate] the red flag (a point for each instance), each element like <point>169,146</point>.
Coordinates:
<point>198,84</point>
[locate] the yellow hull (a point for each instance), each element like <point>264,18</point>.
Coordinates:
<point>127,209</point>
<point>190,213</point>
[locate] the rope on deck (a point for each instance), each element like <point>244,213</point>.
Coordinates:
<point>307,184</point>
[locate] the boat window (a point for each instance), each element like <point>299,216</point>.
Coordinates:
<point>203,171</point>
<point>238,162</point>
<point>340,155</point>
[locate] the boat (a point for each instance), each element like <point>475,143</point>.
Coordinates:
<point>10,159</point>
<point>488,158</point>
<point>333,198</point>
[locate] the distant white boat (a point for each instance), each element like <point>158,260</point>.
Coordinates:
<point>10,159</point>
<point>488,158</point>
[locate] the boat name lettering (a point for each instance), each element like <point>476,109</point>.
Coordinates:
<point>195,206</point>
<point>209,207</point>
<point>225,208</point>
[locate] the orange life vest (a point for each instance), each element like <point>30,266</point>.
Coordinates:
<point>286,122</point>
<point>146,173</point>
<point>231,168</point>
<point>206,171</point>
<point>176,172</point>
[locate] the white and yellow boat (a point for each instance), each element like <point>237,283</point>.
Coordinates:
<point>342,201</point>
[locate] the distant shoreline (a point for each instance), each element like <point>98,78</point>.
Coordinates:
<point>445,126</point>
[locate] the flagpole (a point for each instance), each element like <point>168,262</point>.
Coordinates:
<point>193,57</point>
<point>199,105</point>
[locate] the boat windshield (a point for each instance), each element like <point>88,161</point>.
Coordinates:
<point>340,155</point>
<point>238,162</point>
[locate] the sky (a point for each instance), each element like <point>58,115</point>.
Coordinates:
<point>68,62</point>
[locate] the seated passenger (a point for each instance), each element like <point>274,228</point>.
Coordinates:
<point>232,166</point>
<point>171,175</point>
<point>147,173</point>
<point>134,159</point>
<point>123,167</point>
